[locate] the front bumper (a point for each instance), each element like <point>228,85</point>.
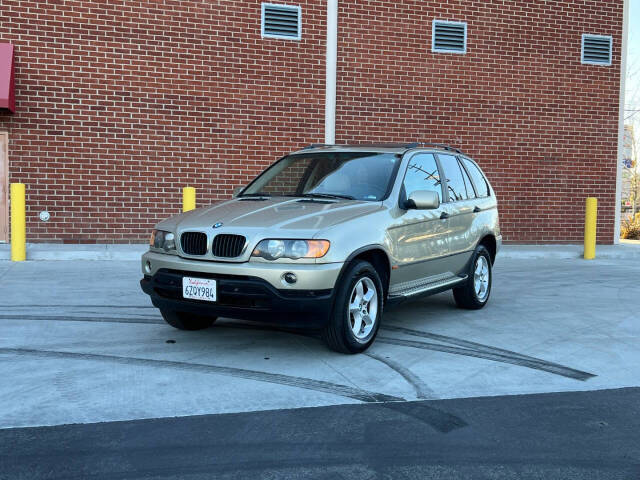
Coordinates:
<point>250,291</point>
<point>248,298</point>
<point>311,276</point>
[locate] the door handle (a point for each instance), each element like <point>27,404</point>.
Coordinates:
<point>444,216</point>
<point>477,209</point>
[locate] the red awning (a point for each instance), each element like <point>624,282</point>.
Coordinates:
<point>7,97</point>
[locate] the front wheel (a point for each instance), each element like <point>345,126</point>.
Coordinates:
<point>474,293</point>
<point>186,321</point>
<point>357,311</point>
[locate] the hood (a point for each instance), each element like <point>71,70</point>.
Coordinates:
<point>275,216</point>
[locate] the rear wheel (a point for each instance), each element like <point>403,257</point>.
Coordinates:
<point>474,292</point>
<point>357,311</point>
<point>187,321</point>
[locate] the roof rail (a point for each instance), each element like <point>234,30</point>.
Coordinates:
<point>317,145</point>
<point>441,145</point>
<point>389,145</point>
<point>379,145</point>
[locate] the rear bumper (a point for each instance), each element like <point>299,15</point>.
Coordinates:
<point>242,297</point>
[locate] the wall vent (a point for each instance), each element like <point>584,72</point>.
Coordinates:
<point>449,37</point>
<point>596,49</point>
<point>281,21</point>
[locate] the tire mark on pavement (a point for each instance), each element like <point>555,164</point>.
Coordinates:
<point>52,305</point>
<point>159,321</point>
<point>440,420</point>
<point>276,378</point>
<point>421,389</point>
<point>470,349</point>
<point>67,318</point>
<point>496,357</point>
<point>462,343</point>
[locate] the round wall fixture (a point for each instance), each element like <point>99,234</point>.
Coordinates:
<point>44,216</point>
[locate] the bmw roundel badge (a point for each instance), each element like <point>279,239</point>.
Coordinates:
<point>217,225</point>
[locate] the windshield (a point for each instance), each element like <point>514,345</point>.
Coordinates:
<point>349,175</point>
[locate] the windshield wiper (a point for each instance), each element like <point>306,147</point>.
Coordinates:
<point>327,195</point>
<point>258,194</point>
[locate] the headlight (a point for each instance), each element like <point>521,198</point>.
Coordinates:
<point>275,248</point>
<point>272,249</point>
<point>163,240</point>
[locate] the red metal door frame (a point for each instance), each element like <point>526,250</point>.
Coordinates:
<point>4,187</point>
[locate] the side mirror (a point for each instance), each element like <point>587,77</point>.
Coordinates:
<point>422,200</point>
<point>236,191</point>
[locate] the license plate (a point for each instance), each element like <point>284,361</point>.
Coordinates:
<point>199,289</point>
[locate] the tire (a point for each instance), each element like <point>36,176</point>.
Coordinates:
<point>475,291</point>
<point>339,334</point>
<point>186,321</point>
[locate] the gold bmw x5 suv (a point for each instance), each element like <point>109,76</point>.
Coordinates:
<point>326,238</point>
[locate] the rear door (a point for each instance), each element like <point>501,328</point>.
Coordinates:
<point>419,238</point>
<point>460,204</point>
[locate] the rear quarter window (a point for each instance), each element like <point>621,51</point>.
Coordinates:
<point>479,180</point>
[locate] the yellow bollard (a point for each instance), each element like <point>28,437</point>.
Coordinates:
<point>18,224</point>
<point>188,199</point>
<point>590,220</point>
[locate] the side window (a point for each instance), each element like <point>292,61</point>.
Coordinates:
<point>455,180</point>
<point>482,187</point>
<point>467,181</point>
<point>422,174</point>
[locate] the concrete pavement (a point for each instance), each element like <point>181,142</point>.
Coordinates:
<point>79,343</point>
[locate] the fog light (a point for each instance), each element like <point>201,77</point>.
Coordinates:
<point>290,278</point>
<point>147,266</point>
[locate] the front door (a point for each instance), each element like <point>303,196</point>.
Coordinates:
<point>4,187</point>
<point>419,238</point>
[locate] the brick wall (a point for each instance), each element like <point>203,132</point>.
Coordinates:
<point>120,104</point>
<point>542,125</point>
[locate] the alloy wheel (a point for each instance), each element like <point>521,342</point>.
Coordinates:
<point>363,308</point>
<point>481,278</point>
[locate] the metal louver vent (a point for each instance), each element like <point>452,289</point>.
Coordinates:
<point>449,37</point>
<point>596,49</point>
<point>281,21</point>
